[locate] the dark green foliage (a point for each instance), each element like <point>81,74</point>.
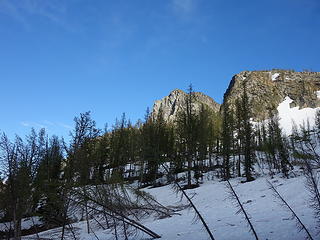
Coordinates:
<point>245,133</point>
<point>227,138</point>
<point>82,148</point>
<point>156,145</point>
<point>187,132</point>
<point>240,134</point>
<point>21,160</point>
<point>248,135</point>
<point>280,145</point>
<point>275,145</point>
<point>47,183</point>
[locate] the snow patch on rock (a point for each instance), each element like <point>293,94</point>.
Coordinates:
<point>290,116</point>
<point>275,76</point>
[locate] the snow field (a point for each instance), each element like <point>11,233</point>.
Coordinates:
<point>271,221</point>
<point>289,116</point>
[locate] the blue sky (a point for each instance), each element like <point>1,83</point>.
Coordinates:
<point>60,58</point>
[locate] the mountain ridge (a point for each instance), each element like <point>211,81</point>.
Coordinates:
<point>266,89</point>
<point>172,104</point>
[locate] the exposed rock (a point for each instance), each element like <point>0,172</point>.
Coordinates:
<point>172,104</point>
<point>266,89</point>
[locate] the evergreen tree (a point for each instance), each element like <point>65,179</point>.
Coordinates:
<point>186,127</point>
<point>155,145</point>
<point>118,147</point>
<point>247,134</point>
<point>240,134</point>
<point>21,160</point>
<point>149,161</point>
<point>48,183</point>
<point>214,133</point>
<point>79,165</point>
<point>280,145</point>
<point>227,137</point>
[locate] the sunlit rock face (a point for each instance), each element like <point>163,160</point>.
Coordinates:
<point>172,104</point>
<point>267,89</point>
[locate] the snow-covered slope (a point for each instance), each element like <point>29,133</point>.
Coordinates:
<point>290,116</point>
<point>271,221</point>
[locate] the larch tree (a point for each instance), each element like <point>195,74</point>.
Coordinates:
<point>227,138</point>
<point>187,132</point>
<point>247,133</point>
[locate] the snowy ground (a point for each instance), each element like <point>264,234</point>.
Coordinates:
<point>26,224</point>
<point>271,221</point>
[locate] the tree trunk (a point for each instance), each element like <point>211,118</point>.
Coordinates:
<point>16,224</point>
<point>189,170</point>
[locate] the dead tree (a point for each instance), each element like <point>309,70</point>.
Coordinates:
<point>312,185</point>
<point>283,202</point>
<point>235,198</point>
<point>109,202</point>
<point>198,214</point>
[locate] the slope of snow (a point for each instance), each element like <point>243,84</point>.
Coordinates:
<point>289,116</point>
<point>271,221</point>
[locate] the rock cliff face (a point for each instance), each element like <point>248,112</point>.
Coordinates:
<point>172,104</point>
<point>266,89</point>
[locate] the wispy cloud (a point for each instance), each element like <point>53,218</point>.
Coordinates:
<point>48,123</point>
<point>65,126</point>
<point>8,8</point>
<point>53,10</point>
<point>33,124</point>
<point>183,7</point>
<point>25,124</point>
<point>45,124</point>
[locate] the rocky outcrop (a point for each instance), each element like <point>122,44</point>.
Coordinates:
<point>172,104</point>
<point>266,89</point>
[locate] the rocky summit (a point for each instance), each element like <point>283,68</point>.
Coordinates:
<point>266,89</point>
<point>172,104</point>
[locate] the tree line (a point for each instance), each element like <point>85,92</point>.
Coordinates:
<point>38,173</point>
